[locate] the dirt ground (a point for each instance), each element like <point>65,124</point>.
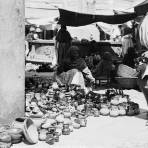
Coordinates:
<point>107,132</point>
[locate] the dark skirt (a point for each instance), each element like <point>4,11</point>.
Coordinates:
<point>62,49</point>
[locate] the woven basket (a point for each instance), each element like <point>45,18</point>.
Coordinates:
<point>127,82</point>
<point>30,131</point>
<point>126,71</point>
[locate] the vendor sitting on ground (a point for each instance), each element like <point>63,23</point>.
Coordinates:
<point>73,69</point>
<point>104,67</point>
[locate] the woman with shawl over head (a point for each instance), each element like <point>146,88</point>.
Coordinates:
<point>63,42</point>
<point>105,66</point>
<point>73,69</point>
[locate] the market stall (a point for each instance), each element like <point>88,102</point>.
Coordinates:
<point>54,111</point>
<point>42,51</point>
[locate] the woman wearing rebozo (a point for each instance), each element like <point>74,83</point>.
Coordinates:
<point>73,69</point>
<point>63,43</point>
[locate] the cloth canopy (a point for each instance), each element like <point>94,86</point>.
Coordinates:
<point>142,8</point>
<point>81,33</point>
<point>70,18</point>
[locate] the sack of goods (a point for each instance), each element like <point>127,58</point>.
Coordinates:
<point>126,71</point>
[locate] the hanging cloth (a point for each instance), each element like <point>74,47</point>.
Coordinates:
<point>143,32</point>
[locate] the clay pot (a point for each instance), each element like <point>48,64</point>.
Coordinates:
<point>15,131</point>
<point>122,99</point>
<point>4,128</point>
<point>76,125</point>
<point>60,118</point>
<point>52,115</point>
<point>59,131</point>
<point>56,137</point>
<point>51,129</point>
<point>83,122</point>
<point>96,113</point>
<point>5,137</point>
<point>121,110</point>
<point>114,111</point>
<point>42,134</point>
<point>38,96</point>
<point>67,114</point>
<point>67,121</point>
<point>104,111</point>
<point>66,130</point>
<point>16,138</point>
<point>19,123</point>
<point>115,100</point>
<point>50,139</point>
<point>38,122</point>
<point>71,128</point>
<point>5,145</point>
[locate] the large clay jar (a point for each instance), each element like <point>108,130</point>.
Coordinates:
<point>19,123</point>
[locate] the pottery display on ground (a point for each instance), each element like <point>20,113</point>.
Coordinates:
<point>58,111</point>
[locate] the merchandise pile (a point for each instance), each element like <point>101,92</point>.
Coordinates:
<point>61,110</point>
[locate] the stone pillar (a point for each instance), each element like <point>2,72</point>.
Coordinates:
<point>12,59</point>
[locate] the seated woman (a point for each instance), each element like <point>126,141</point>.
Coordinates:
<point>104,67</point>
<point>73,69</point>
